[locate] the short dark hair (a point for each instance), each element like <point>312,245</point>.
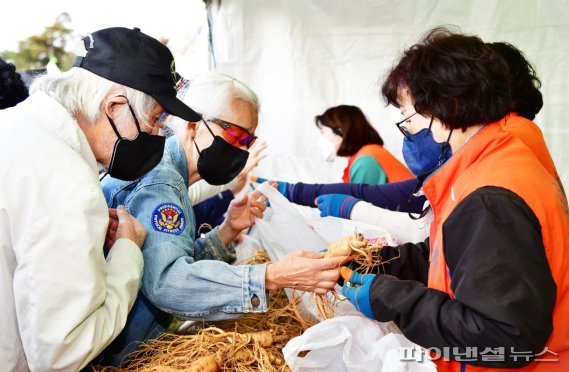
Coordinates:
<point>455,77</point>
<point>526,97</point>
<point>12,87</point>
<point>350,123</point>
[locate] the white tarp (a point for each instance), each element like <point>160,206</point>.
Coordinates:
<point>303,56</point>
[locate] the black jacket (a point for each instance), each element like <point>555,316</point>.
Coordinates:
<point>503,286</point>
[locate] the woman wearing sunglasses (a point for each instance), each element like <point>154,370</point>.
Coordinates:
<point>188,277</point>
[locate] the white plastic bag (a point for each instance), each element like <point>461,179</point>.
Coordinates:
<point>285,228</point>
<point>353,343</point>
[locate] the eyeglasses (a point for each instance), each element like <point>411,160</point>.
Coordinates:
<point>402,129</point>
<point>234,134</point>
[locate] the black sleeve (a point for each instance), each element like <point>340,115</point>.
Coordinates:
<point>503,286</point>
<point>396,196</point>
<point>407,262</point>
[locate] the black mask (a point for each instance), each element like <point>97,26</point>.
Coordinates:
<point>220,162</point>
<point>133,158</point>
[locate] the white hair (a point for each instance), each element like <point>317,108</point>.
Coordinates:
<point>210,93</point>
<point>82,93</point>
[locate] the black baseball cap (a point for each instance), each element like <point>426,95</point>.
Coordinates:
<point>136,60</point>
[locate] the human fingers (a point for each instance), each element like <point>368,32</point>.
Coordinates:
<point>255,212</point>
<point>125,229</point>
<point>321,291</point>
<point>259,204</point>
<point>260,146</point>
<point>310,254</point>
<point>130,228</point>
<point>328,276</point>
<point>113,214</point>
<point>239,202</point>
<point>333,262</point>
<point>258,154</point>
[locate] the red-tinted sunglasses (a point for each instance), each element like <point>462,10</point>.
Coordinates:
<point>234,134</point>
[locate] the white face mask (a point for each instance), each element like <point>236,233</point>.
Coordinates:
<point>326,149</point>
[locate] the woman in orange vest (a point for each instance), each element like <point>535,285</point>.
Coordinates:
<point>351,135</point>
<point>489,288</point>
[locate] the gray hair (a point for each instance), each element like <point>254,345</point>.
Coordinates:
<point>82,93</point>
<point>210,93</point>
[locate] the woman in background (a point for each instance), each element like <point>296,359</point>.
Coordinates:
<point>347,128</point>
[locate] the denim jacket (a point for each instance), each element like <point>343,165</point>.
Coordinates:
<point>182,276</point>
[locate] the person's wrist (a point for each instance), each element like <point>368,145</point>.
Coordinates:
<point>344,205</point>
<point>271,278</point>
<point>348,207</point>
<point>227,232</point>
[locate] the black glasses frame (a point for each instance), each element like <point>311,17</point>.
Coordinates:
<point>404,130</point>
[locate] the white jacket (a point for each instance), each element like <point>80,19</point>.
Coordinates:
<point>201,190</point>
<point>402,228</point>
<point>61,303</point>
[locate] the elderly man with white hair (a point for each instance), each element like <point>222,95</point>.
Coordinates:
<point>61,301</point>
<point>191,278</point>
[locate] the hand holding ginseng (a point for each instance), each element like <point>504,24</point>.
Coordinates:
<point>356,288</point>
<point>305,271</point>
<point>361,251</point>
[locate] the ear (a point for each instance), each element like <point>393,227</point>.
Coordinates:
<point>192,128</point>
<point>113,101</point>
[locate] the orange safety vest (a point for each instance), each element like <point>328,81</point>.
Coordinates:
<point>530,134</point>
<point>393,168</point>
<point>494,157</point>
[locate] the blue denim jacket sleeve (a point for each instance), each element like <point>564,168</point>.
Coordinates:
<point>189,278</point>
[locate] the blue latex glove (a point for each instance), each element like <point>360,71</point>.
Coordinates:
<point>336,205</point>
<point>358,293</point>
<point>286,189</point>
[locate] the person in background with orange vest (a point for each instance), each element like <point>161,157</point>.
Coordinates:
<point>489,288</point>
<point>351,135</point>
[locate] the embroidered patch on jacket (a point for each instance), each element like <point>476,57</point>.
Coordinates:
<point>168,218</point>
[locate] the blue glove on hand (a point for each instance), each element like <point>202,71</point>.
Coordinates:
<point>336,205</point>
<point>286,189</point>
<point>358,292</point>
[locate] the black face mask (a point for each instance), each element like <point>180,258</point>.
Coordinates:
<point>133,158</point>
<point>221,162</point>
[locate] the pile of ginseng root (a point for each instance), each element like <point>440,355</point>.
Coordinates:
<point>252,342</point>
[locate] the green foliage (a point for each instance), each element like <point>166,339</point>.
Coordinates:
<point>37,50</point>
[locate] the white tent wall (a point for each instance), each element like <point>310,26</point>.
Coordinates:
<point>303,56</point>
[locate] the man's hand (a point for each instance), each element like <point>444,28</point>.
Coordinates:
<point>241,181</point>
<point>256,154</point>
<point>304,271</point>
<point>241,214</point>
<point>356,288</point>
<point>336,205</point>
<point>111,236</point>
<point>129,227</point>
<point>285,189</point>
